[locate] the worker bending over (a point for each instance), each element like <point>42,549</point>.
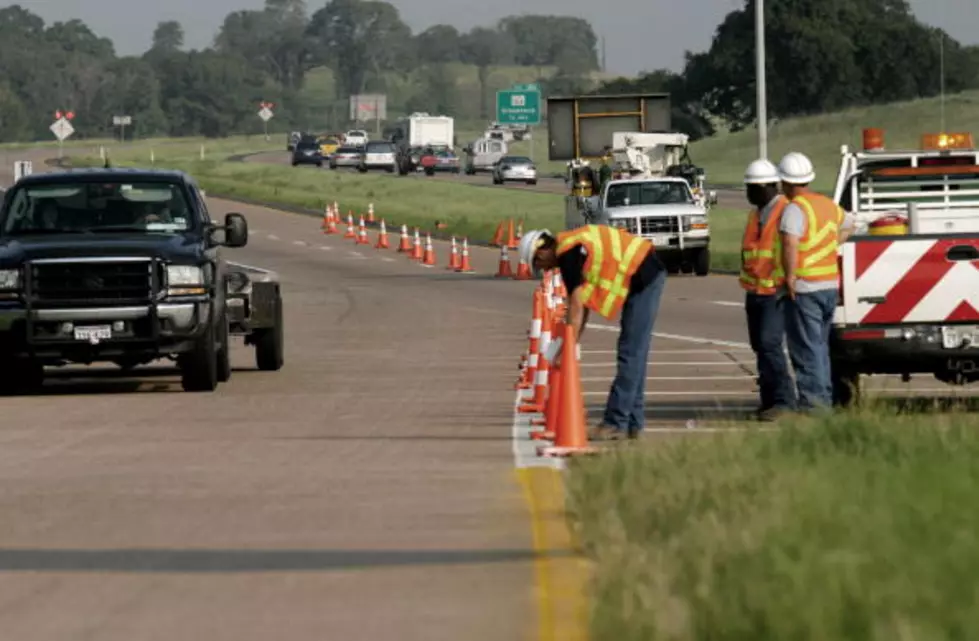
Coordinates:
<point>763,280</point>
<point>608,270</point>
<point>812,227</point>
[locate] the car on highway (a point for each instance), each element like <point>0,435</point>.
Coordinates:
<point>307,152</point>
<point>126,266</point>
<point>345,156</point>
<point>441,160</point>
<point>515,169</point>
<point>378,154</point>
<point>293,138</point>
<point>328,146</point>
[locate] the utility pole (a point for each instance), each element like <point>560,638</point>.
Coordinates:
<point>761,108</point>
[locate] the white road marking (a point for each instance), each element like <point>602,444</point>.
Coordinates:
<point>666,351</point>
<point>726,303</point>
<point>387,259</point>
<point>357,255</point>
<point>273,237</point>
<point>738,377</point>
<point>326,248</point>
<point>301,243</point>
<point>676,364</point>
<point>679,337</point>
<point>707,394</point>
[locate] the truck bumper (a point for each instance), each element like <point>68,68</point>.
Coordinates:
<point>902,350</point>
<point>144,331</point>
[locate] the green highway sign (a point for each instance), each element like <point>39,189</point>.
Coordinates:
<point>518,106</point>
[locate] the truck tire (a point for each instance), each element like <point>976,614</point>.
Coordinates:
<point>846,386</point>
<point>224,353</point>
<point>269,355</point>
<point>686,267</point>
<point>20,376</point>
<point>199,367</point>
<point>701,263</point>
<point>429,171</point>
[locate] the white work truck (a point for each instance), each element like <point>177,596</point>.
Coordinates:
<point>644,200</point>
<point>909,273</point>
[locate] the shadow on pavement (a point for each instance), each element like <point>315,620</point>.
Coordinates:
<point>112,381</point>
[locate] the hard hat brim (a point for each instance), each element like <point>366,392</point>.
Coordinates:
<point>799,180</point>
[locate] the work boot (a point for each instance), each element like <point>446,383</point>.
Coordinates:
<point>772,414</point>
<point>606,433</point>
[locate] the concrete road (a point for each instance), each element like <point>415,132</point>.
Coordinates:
<point>364,492</point>
<point>727,198</point>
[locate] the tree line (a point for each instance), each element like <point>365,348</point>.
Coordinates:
<point>822,55</point>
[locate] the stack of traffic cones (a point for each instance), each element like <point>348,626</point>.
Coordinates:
<point>505,270</point>
<point>362,233</point>
<point>382,237</point>
<point>526,381</point>
<point>429,258</point>
<point>331,222</point>
<point>350,227</point>
<point>465,266</point>
<point>570,434</point>
<point>404,246</point>
<point>454,261</point>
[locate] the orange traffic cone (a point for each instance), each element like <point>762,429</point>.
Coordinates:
<point>362,233</point>
<point>533,352</point>
<point>417,253</point>
<point>552,413</point>
<point>571,436</point>
<point>465,266</point>
<point>404,246</point>
<point>382,237</point>
<point>326,219</point>
<point>520,230</point>
<point>454,256</point>
<point>331,226</point>
<point>498,236</point>
<point>429,260</point>
<point>370,213</point>
<point>350,227</point>
<point>511,238</point>
<point>523,271</point>
<point>505,270</point>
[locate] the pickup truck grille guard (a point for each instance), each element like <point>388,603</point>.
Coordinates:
<point>132,287</point>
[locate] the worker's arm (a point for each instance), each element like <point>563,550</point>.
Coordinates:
<point>791,228</point>
<point>577,314</point>
<point>846,228</point>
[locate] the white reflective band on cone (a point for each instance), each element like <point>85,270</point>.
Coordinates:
<point>533,361</point>
<point>541,378</point>
<point>577,351</point>
<point>545,342</point>
<point>535,328</point>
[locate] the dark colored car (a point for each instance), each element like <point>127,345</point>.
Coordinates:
<point>307,152</point>
<point>125,266</point>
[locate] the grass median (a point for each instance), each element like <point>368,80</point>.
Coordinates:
<point>856,527</point>
<point>465,210</point>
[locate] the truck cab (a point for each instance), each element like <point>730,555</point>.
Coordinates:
<point>909,272</point>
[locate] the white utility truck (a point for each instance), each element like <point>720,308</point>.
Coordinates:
<point>909,273</point>
<point>425,130</point>
<point>650,197</point>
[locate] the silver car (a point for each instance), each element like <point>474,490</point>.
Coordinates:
<point>515,169</point>
<point>345,157</point>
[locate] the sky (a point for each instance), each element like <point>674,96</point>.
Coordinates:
<point>639,34</point>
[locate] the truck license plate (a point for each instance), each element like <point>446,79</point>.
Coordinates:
<point>94,333</point>
<point>953,337</point>
<point>660,241</point>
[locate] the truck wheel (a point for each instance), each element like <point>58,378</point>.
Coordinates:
<point>429,171</point>
<point>846,386</point>
<point>269,344</point>
<point>224,353</point>
<point>199,367</point>
<point>20,376</point>
<point>686,268</point>
<point>701,263</point>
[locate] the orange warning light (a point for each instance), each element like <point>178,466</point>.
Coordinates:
<point>933,142</point>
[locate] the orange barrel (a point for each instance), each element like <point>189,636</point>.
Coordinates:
<point>889,225</point>
<point>873,139</point>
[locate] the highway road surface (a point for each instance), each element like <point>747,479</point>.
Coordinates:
<point>365,492</point>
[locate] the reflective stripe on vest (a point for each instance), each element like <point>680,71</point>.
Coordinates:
<point>613,256</point>
<point>761,252</point>
<point>818,246</point>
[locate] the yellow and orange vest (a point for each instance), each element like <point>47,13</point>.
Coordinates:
<point>761,252</point>
<point>818,246</point>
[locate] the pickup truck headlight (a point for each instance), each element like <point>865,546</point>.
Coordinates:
<point>185,280</point>
<point>9,279</point>
<point>697,222</point>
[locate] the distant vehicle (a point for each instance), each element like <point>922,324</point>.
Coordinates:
<point>356,138</point>
<point>378,155</point>
<point>346,156</point>
<point>293,138</point>
<point>515,169</point>
<point>307,152</point>
<point>447,161</point>
<point>483,155</point>
<point>328,145</point>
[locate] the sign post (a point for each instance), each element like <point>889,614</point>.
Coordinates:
<point>122,122</point>
<point>62,129</point>
<point>265,113</point>
<point>520,105</point>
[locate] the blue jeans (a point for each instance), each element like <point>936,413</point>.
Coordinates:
<point>808,321</point>
<point>625,409</point>
<point>766,333</point>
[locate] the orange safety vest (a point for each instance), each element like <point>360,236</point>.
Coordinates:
<point>613,256</point>
<point>818,246</point>
<point>761,252</point>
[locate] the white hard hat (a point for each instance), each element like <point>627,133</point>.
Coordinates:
<point>529,243</point>
<point>796,169</point>
<point>761,172</point>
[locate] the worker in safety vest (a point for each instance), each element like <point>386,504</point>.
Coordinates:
<point>763,280</point>
<point>811,229</point>
<point>608,270</point>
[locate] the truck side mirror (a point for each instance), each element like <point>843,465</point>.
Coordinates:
<point>712,197</point>
<point>235,230</point>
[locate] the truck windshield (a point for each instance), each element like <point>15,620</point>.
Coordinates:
<point>96,207</point>
<point>648,193</point>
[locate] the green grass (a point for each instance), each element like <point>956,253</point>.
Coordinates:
<point>857,527</point>
<point>726,155</point>
<point>467,210</point>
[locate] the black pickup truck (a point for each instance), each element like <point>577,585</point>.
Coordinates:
<point>125,266</point>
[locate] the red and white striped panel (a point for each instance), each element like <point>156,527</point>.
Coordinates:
<point>918,282</point>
